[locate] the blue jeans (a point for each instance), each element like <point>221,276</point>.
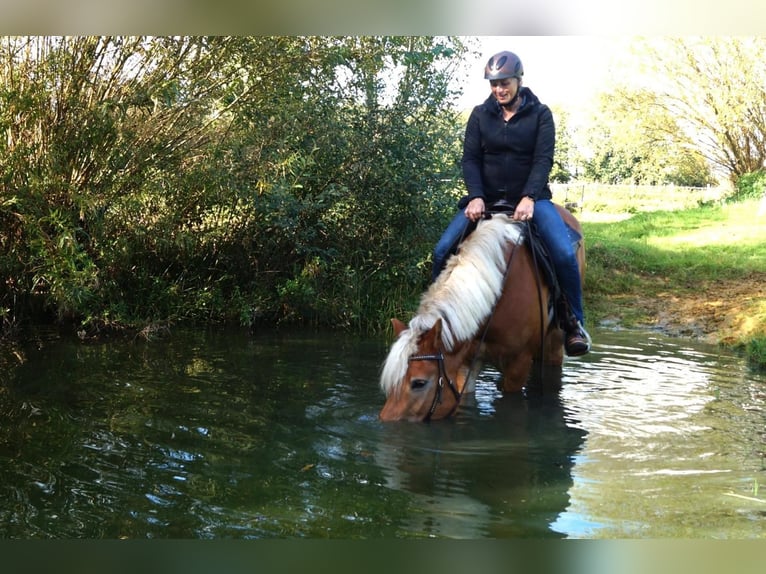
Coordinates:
<point>553,231</point>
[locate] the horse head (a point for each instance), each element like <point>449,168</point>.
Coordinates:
<point>429,384</point>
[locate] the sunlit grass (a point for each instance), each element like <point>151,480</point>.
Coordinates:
<point>738,224</point>
<point>687,251</point>
<point>702,243</point>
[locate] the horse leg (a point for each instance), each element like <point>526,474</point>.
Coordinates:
<point>554,347</point>
<point>516,373</point>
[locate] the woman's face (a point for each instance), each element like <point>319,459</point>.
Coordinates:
<point>504,90</point>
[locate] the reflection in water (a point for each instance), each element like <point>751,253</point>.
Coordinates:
<point>502,469</point>
<point>231,435</point>
<point>675,442</point>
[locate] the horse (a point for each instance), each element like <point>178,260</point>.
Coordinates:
<point>490,304</point>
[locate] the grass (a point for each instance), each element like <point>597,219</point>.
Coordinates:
<point>688,252</point>
<point>692,245</point>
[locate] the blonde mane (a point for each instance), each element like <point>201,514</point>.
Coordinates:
<point>463,296</point>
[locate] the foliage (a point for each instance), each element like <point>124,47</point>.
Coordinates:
<point>713,87</point>
<point>750,186</point>
<point>636,142</point>
<point>221,178</point>
<point>562,158</point>
<point>689,111</point>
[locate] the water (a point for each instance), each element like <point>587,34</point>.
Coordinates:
<point>228,434</point>
<point>676,443</point>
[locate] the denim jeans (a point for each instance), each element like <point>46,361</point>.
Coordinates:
<point>553,232</point>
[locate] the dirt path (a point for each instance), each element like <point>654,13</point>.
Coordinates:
<point>722,311</point>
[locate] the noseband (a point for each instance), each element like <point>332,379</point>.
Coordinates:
<point>439,358</point>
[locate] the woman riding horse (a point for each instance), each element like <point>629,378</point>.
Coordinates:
<point>508,155</point>
<point>490,303</point>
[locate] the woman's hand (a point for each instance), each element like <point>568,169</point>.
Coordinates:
<point>524,210</point>
<point>475,209</point>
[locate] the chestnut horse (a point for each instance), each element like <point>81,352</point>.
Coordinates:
<point>489,304</point>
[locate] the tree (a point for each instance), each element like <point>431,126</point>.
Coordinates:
<point>562,158</point>
<point>634,141</point>
<point>715,88</point>
<point>210,178</point>
<point>94,127</point>
<point>377,156</point>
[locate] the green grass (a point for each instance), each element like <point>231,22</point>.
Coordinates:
<point>647,253</point>
<point>695,244</point>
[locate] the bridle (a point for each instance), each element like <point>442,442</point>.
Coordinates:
<point>439,358</point>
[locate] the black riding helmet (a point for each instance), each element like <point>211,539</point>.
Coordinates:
<point>503,65</point>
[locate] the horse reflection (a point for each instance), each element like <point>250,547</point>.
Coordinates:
<point>490,303</point>
<point>506,474</point>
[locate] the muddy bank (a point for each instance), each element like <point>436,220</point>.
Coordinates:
<point>721,311</point>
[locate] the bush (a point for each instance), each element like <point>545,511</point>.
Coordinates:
<point>749,186</point>
<point>214,179</point>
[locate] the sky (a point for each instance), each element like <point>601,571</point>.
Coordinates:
<point>566,71</point>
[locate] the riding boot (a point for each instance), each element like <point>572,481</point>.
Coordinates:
<point>577,341</point>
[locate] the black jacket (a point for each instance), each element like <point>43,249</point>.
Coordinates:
<point>508,160</point>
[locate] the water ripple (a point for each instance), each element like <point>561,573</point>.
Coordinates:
<point>235,435</point>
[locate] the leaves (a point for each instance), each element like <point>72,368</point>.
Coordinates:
<point>700,108</point>
<point>164,178</point>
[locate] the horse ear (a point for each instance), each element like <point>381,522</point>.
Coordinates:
<point>437,330</point>
<point>434,335</point>
<point>398,326</point>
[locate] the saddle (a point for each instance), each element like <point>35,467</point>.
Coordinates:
<point>558,307</point>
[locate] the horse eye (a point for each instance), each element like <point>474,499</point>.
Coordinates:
<point>418,384</point>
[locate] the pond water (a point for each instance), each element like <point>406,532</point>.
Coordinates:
<point>229,434</point>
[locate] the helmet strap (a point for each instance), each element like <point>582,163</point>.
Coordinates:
<point>513,101</point>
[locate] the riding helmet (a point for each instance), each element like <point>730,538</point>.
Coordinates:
<point>503,65</point>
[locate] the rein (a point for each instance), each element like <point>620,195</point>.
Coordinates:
<point>539,299</point>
